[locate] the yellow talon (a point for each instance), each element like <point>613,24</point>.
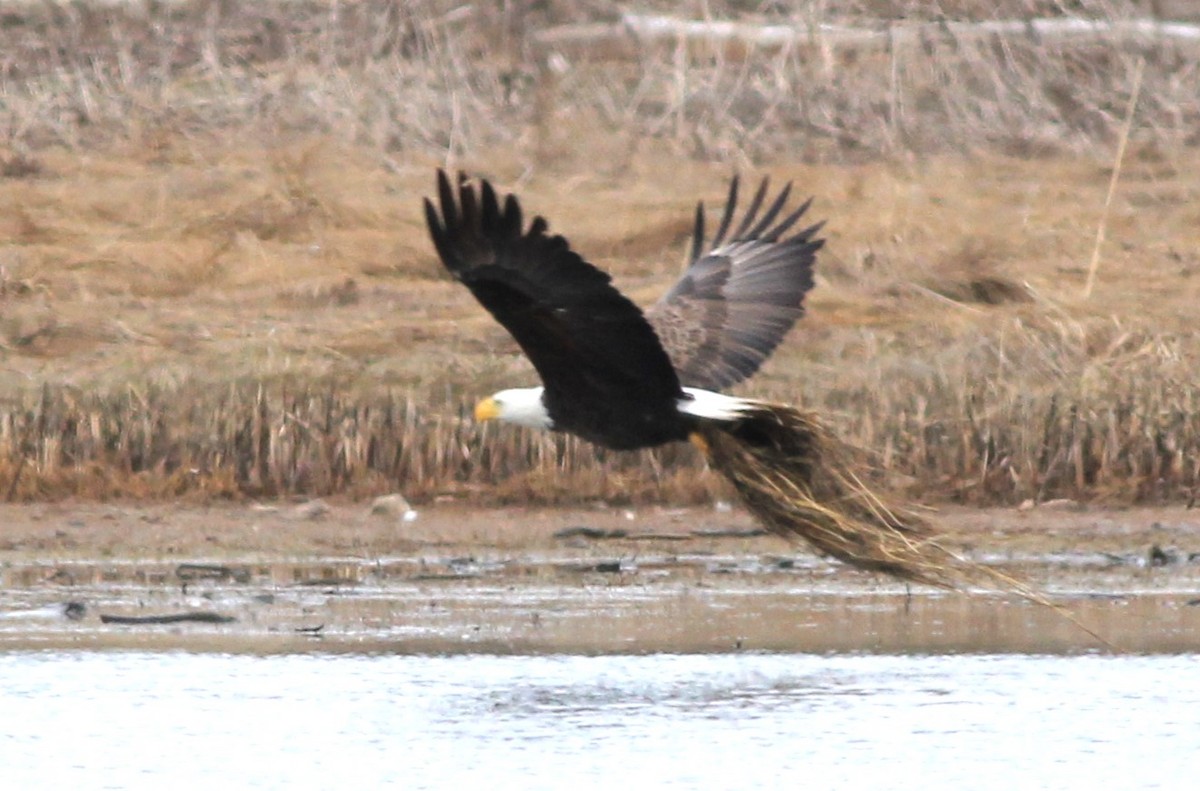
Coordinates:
<point>699,441</point>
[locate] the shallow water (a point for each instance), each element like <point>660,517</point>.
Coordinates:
<point>667,603</point>
<point>160,720</point>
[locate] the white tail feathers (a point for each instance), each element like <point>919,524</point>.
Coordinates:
<point>715,406</point>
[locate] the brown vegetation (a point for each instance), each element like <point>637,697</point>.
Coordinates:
<point>803,483</point>
<point>214,277</point>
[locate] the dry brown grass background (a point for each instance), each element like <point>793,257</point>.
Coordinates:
<point>214,278</point>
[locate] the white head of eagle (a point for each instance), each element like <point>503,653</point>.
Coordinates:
<point>520,405</point>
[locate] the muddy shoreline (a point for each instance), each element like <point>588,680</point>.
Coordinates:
<point>334,576</point>
<point>285,529</point>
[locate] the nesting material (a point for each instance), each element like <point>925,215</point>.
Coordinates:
<point>802,483</point>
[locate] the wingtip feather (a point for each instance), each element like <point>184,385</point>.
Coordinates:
<point>752,210</point>
<point>697,234</point>
<point>727,215</point>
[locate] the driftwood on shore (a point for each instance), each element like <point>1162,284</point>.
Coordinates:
<point>183,617</point>
<point>636,33</point>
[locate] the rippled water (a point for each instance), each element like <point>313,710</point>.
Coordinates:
<point>165,720</point>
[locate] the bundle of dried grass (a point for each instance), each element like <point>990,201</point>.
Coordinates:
<point>800,480</point>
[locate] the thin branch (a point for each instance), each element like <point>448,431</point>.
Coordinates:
<point>1094,265</point>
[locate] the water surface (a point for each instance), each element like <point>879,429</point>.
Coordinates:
<point>167,719</point>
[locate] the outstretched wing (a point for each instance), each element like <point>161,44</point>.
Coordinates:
<point>586,340</point>
<point>733,304</point>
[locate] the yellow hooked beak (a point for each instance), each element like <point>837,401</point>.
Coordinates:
<point>487,409</point>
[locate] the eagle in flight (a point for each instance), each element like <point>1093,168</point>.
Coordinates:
<point>611,373</point>
<point>625,378</point>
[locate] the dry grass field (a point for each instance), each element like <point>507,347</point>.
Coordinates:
<point>215,280</point>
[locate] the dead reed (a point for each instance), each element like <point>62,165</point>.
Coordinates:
<point>1031,417</point>
<point>257,441</point>
<point>277,440</point>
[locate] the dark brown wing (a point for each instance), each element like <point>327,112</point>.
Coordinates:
<point>733,305</point>
<point>592,347</point>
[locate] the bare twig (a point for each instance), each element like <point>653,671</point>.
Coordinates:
<point>1119,159</point>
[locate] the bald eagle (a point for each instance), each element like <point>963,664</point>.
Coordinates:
<point>611,373</point>
<point>624,379</point>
